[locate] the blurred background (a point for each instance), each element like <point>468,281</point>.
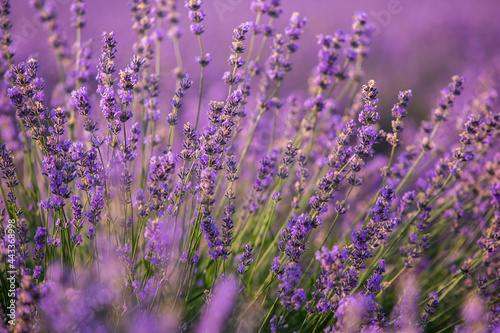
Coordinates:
<point>416,45</point>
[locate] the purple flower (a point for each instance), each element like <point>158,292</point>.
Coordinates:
<point>196,16</point>
<point>193,4</point>
<point>373,285</point>
<point>294,236</point>
<point>227,228</point>
<point>274,9</point>
<point>75,239</point>
<point>82,102</point>
<point>245,260</point>
<point>448,96</point>
<point>40,239</point>
<point>78,9</point>
<point>429,309</point>
<point>37,272</point>
<point>109,104</point>
<point>160,168</point>
<point>291,296</point>
<point>277,323</point>
<point>176,101</point>
<point>275,268</point>
<point>399,109</point>
<point>212,236</point>
<point>128,80</point>
<point>330,277</point>
<point>196,257</point>
<point>96,206</point>
<point>106,65</point>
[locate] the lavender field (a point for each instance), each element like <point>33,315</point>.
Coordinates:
<point>249,166</point>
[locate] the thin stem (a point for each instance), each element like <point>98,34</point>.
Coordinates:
<point>158,48</point>
<point>271,143</point>
<point>200,90</point>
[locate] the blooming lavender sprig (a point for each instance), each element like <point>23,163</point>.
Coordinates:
<point>93,213</point>
<point>208,226</point>
<point>227,228</point>
<point>231,167</point>
<point>6,37</point>
<point>176,101</point>
<point>142,22</point>
<point>277,324</point>
<point>235,61</point>
<point>106,66</point>
<point>81,98</point>
<point>330,277</point>
<point>40,239</point>
<point>291,297</point>
<point>361,38</point>
<point>294,31</point>
<point>78,10</point>
<point>91,174</point>
<point>341,152</point>
<point>328,59</point>
<point>78,211</point>
<point>429,309</point>
<point>373,285</point>
<point>289,158</point>
<point>212,236</point>
<point>448,97</point>
<point>369,115</point>
<point>274,10</point>
<point>263,174</point>
<point>28,87</point>
<point>376,231</point>
<point>398,112</point>
<point>259,6</point>
<point>161,169</point>
<point>367,135</point>
<point>60,175</point>
<point>294,236</point>
<point>8,170</point>
<point>278,63</point>
<point>245,260</point>
<point>381,223</point>
<point>196,15</point>
<point>126,85</point>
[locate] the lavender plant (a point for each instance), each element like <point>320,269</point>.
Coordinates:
<point>114,219</point>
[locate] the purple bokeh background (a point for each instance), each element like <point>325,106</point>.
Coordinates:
<point>417,45</point>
